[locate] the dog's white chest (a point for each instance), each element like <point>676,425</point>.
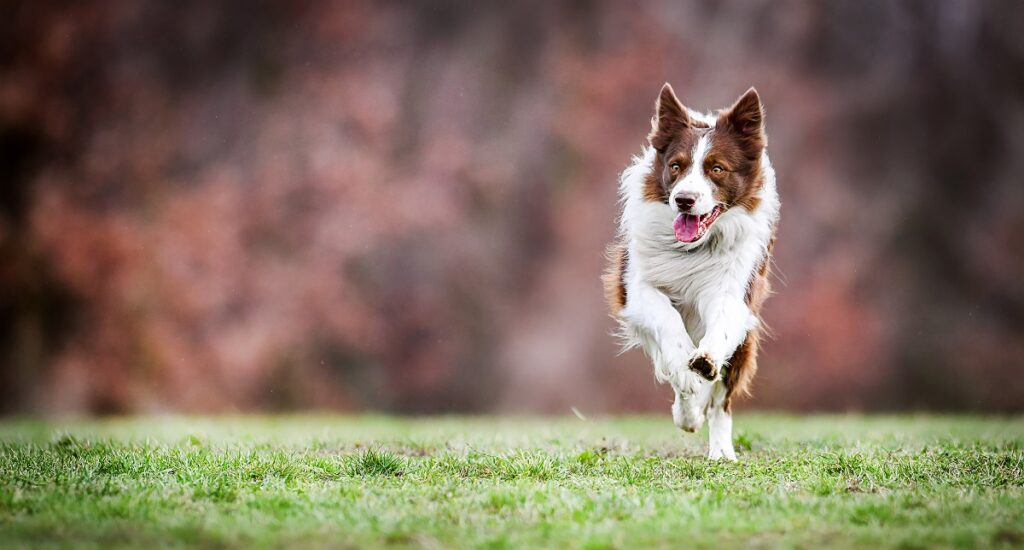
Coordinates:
<point>692,276</point>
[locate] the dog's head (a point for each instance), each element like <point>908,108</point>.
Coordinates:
<point>703,169</point>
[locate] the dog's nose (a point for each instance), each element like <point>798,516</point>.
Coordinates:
<point>685,201</point>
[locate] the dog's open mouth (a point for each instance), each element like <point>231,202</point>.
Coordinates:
<point>690,228</point>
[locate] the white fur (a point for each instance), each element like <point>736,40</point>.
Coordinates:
<point>685,299</point>
<point>719,427</point>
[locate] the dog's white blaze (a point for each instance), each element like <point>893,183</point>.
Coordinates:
<point>695,181</point>
<point>689,298</point>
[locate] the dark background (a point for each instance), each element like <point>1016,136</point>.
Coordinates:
<point>233,206</point>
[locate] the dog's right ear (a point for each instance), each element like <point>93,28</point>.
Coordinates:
<point>669,119</point>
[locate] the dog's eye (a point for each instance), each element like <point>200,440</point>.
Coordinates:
<point>675,168</point>
<point>717,169</point>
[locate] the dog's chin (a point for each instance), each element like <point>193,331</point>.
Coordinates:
<point>693,228</point>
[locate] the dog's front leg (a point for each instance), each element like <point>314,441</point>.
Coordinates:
<point>720,426</point>
<point>656,325</point>
<point>727,319</point>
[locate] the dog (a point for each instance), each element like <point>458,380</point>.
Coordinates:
<point>689,266</point>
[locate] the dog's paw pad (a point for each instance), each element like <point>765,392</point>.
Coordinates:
<point>704,366</point>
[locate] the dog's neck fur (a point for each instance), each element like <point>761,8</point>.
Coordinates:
<point>736,242</point>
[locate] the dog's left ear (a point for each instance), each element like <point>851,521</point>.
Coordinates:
<point>746,119</point>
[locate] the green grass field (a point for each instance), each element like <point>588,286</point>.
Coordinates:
<point>818,481</point>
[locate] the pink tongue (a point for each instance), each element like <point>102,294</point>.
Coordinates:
<point>686,227</point>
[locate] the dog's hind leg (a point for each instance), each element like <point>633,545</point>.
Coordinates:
<point>720,426</point>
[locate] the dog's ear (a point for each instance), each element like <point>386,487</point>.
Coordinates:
<point>745,119</point>
<point>670,118</point>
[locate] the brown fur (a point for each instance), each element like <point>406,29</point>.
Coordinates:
<point>614,277</point>
<point>737,145</point>
<point>654,187</point>
<point>670,119</point>
<point>743,364</point>
<point>741,181</point>
<point>673,135</point>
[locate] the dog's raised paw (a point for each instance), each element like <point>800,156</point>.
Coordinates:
<point>704,366</point>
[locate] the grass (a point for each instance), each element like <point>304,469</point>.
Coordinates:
<point>818,481</point>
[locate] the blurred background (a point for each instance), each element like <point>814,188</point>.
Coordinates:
<point>402,206</point>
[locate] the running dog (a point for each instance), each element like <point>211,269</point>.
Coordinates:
<point>688,269</point>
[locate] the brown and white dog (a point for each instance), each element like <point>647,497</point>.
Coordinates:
<point>689,266</point>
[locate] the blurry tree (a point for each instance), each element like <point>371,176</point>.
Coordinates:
<point>402,206</point>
